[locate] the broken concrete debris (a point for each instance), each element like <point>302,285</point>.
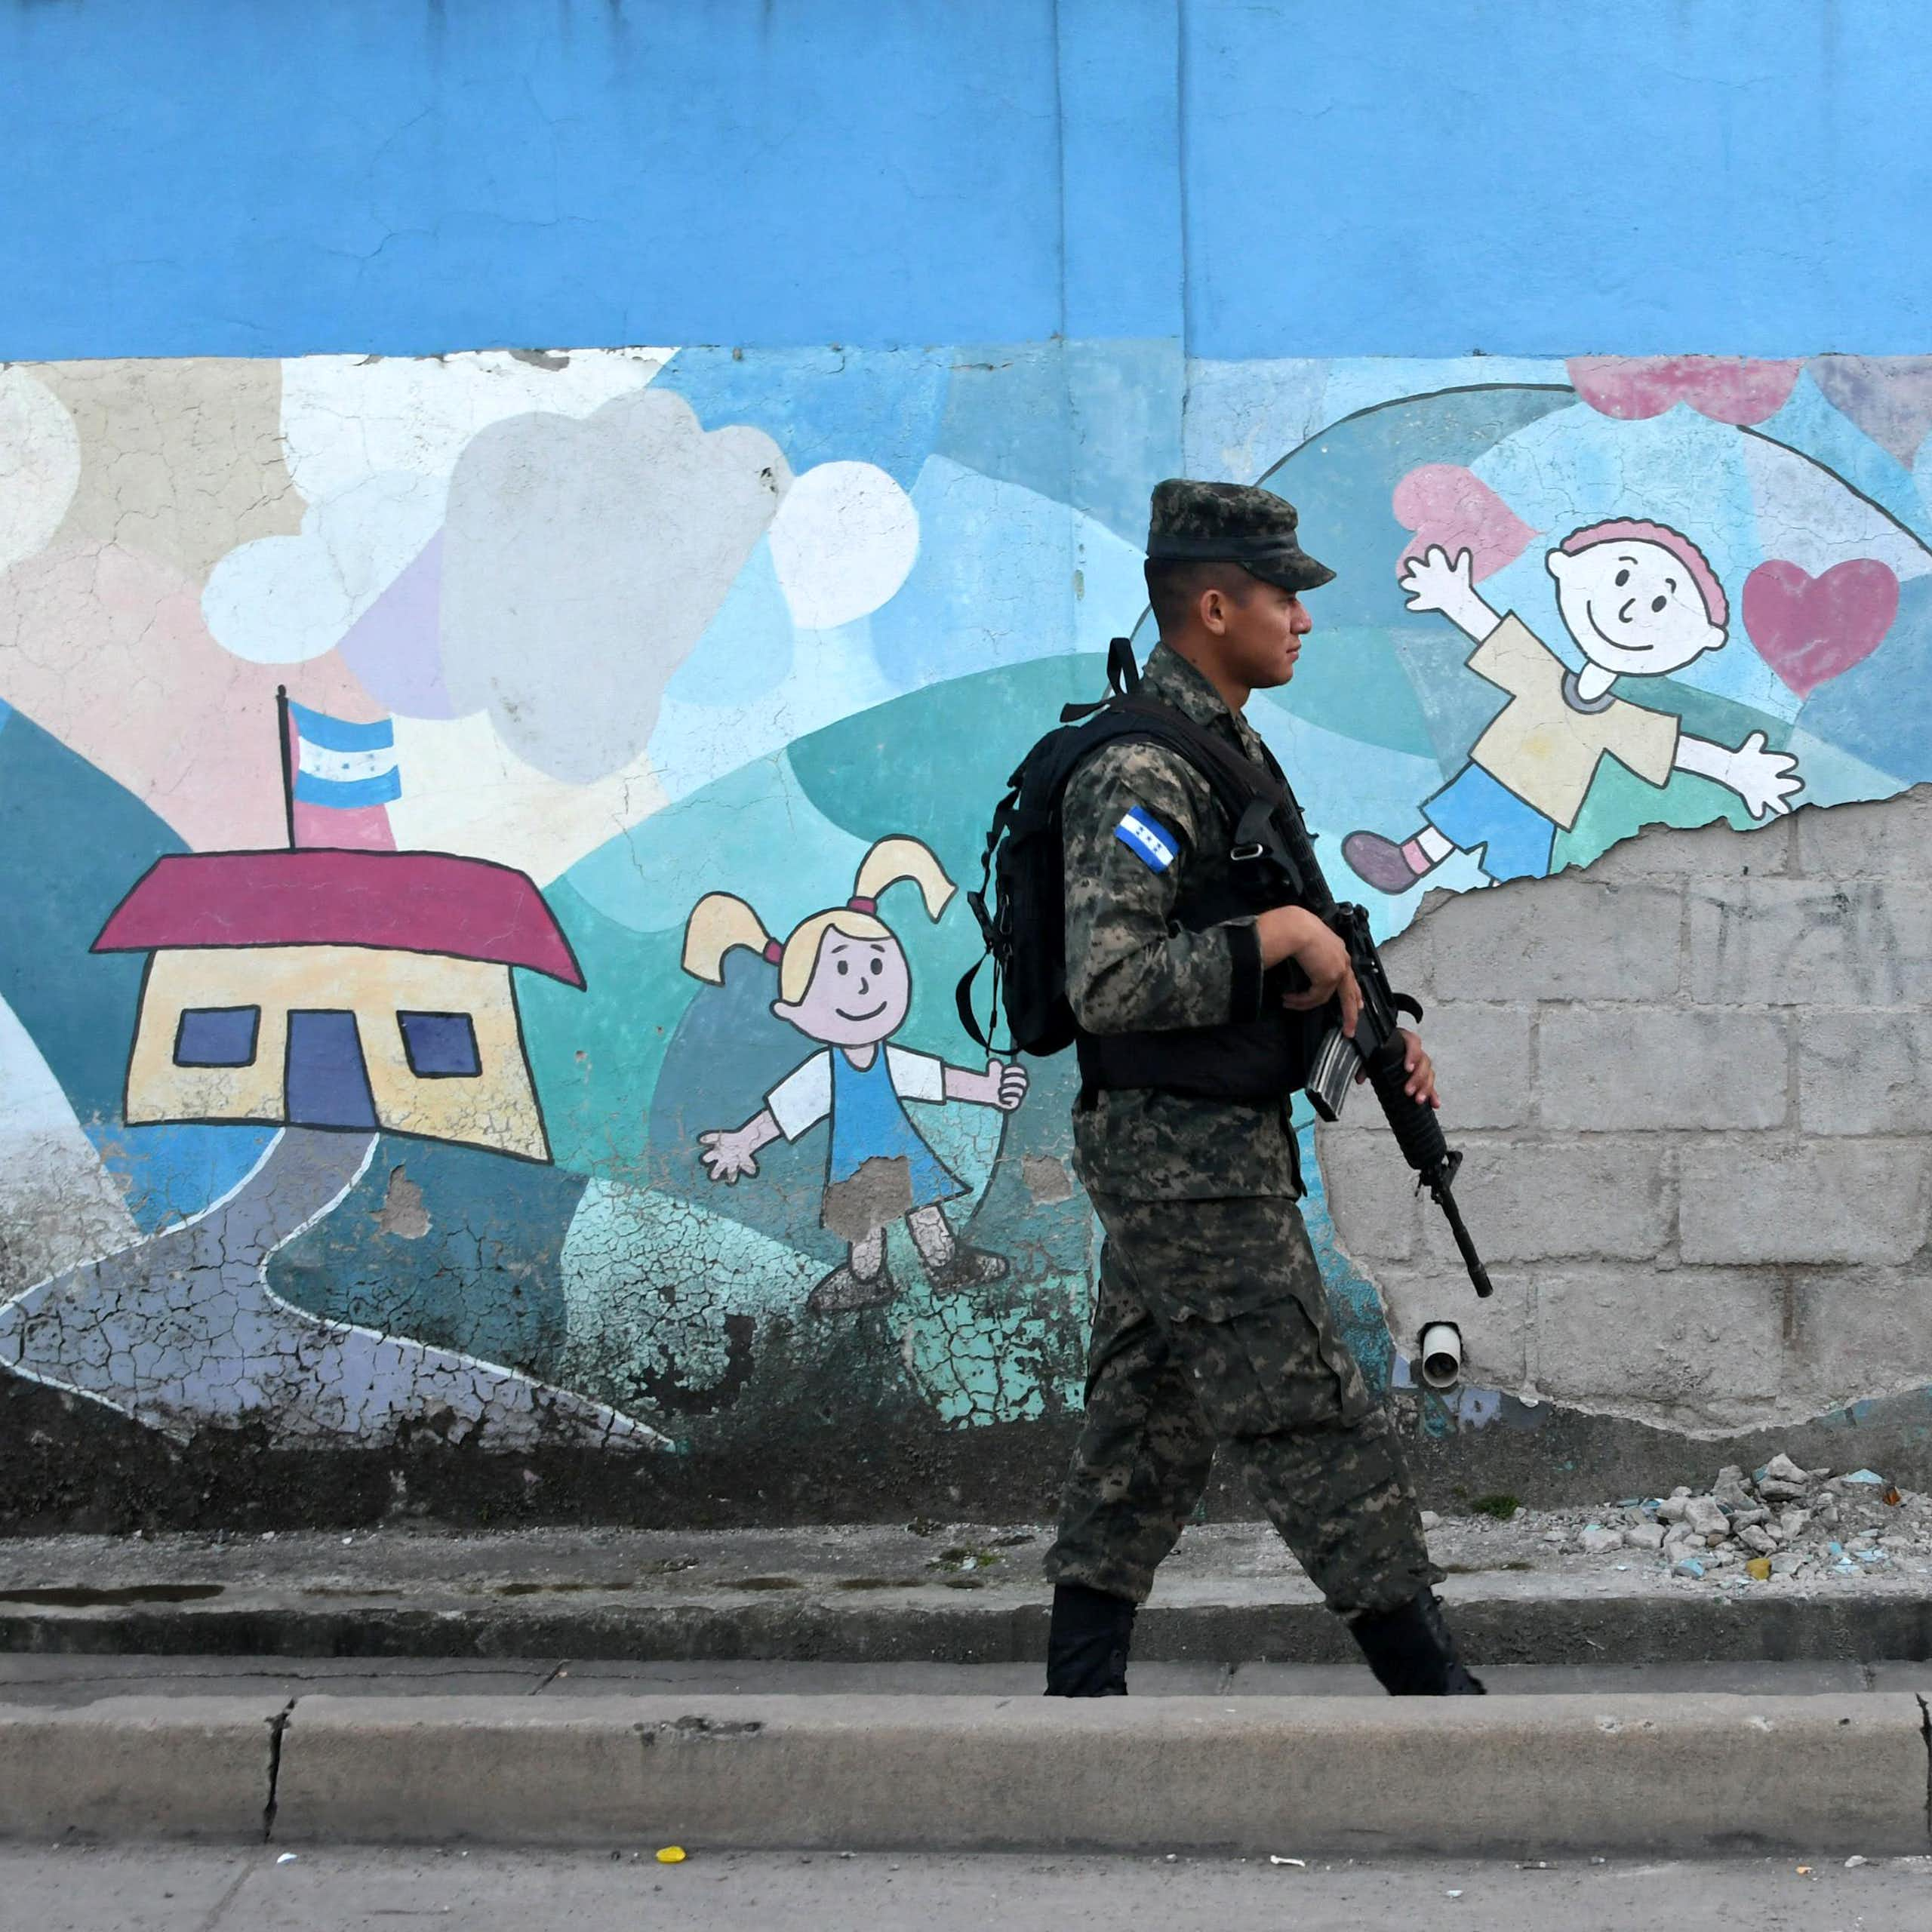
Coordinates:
<point>1779,1523</point>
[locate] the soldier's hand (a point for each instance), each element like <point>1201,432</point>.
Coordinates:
<point>1419,1068</point>
<point>1323,959</point>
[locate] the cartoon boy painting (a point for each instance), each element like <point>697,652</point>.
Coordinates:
<point>1641,600</point>
<point>844,981</point>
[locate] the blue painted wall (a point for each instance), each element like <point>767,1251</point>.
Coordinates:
<point>1448,175</point>
<point>1269,176</point>
<point>936,293</point>
<point>222,176</point>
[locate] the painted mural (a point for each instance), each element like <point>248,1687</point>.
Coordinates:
<point>480,833</point>
<point>844,983</point>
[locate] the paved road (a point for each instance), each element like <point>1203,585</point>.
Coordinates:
<point>77,1889</point>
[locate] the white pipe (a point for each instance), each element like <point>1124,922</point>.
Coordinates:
<point>1440,1355</point>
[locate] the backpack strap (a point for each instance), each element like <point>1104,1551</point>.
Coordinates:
<point>1236,778</point>
<point>1004,813</point>
<point>1259,803</point>
<point>962,998</point>
<point>1299,840</point>
<point>1260,806</point>
<point>1002,823</point>
<point>1123,680</point>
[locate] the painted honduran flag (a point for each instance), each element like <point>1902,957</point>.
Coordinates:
<point>343,776</point>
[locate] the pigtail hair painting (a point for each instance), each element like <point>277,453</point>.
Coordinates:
<point>892,859</point>
<point>718,923</point>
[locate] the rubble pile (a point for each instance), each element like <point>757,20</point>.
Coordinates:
<point>1780,1521</point>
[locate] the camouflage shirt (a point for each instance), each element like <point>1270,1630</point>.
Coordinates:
<point>1131,968</point>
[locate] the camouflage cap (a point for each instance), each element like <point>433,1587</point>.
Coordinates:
<point>1234,523</point>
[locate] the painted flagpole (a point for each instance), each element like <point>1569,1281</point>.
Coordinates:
<point>288,762</point>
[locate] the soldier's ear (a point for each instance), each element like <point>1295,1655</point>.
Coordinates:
<point>1556,562</point>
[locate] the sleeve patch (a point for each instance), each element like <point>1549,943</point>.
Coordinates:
<point>1148,839</point>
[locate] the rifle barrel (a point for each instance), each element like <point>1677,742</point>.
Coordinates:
<point>1445,1199</point>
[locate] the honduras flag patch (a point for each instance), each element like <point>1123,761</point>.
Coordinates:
<point>1148,839</point>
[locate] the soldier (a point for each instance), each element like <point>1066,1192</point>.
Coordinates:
<point>1211,1325</point>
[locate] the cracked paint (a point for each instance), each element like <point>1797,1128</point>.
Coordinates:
<point>655,631</point>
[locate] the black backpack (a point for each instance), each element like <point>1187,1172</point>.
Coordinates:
<point>1025,924</point>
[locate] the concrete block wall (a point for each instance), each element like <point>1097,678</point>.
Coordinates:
<point>1693,1083</point>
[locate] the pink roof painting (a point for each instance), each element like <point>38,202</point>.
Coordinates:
<point>403,902</point>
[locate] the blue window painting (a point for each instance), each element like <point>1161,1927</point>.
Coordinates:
<point>441,1046</point>
<point>216,1036</point>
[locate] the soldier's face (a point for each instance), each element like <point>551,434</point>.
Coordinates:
<point>1261,637</point>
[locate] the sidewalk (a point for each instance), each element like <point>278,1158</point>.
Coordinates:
<point>70,1681</point>
<point>953,1593</point>
<point>878,1687</point>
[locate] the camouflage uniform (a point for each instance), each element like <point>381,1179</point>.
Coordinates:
<point>1210,1324</point>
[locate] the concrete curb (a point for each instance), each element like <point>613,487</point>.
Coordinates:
<point>154,1768</point>
<point>1495,1625</point>
<point>1683,1775</point>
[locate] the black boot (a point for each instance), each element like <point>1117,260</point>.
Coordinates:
<point>1411,1652</point>
<point>1087,1643</point>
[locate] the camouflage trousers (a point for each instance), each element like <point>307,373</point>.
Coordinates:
<point>1211,1326</point>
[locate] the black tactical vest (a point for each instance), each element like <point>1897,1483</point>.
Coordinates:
<point>1256,856</point>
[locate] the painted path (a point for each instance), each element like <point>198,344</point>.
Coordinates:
<point>181,1333</point>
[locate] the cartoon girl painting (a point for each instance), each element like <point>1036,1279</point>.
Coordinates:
<point>844,981</point>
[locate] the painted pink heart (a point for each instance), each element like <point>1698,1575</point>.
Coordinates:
<point>1807,629</point>
<point>1726,389</point>
<point>1445,503</point>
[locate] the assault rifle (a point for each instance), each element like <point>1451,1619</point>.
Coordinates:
<point>1377,1051</point>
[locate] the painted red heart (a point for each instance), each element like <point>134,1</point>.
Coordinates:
<point>1445,503</point>
<point>1807,629</point>
<point>1726,389</point>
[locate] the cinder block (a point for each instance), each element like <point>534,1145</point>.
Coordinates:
<point>1809,942</point>
<point>1600,1068</point>
<point>1718,850</point>
<point>1584,1196</point>
<point>1409,956</point>
<point>1831,1200</point>
<point>1495,1332</point>
<point>1865,1072</point>
<point>1857,1333</point>
<point>1703,1345</point>
<point>1887,839</point>
<point>1564,938</point>
<point>1369,1188</point>
<point>1482,1062</point>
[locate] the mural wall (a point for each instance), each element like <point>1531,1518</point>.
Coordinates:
<point>482,834</point>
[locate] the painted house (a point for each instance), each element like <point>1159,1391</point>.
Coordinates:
<point>354,990</point>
